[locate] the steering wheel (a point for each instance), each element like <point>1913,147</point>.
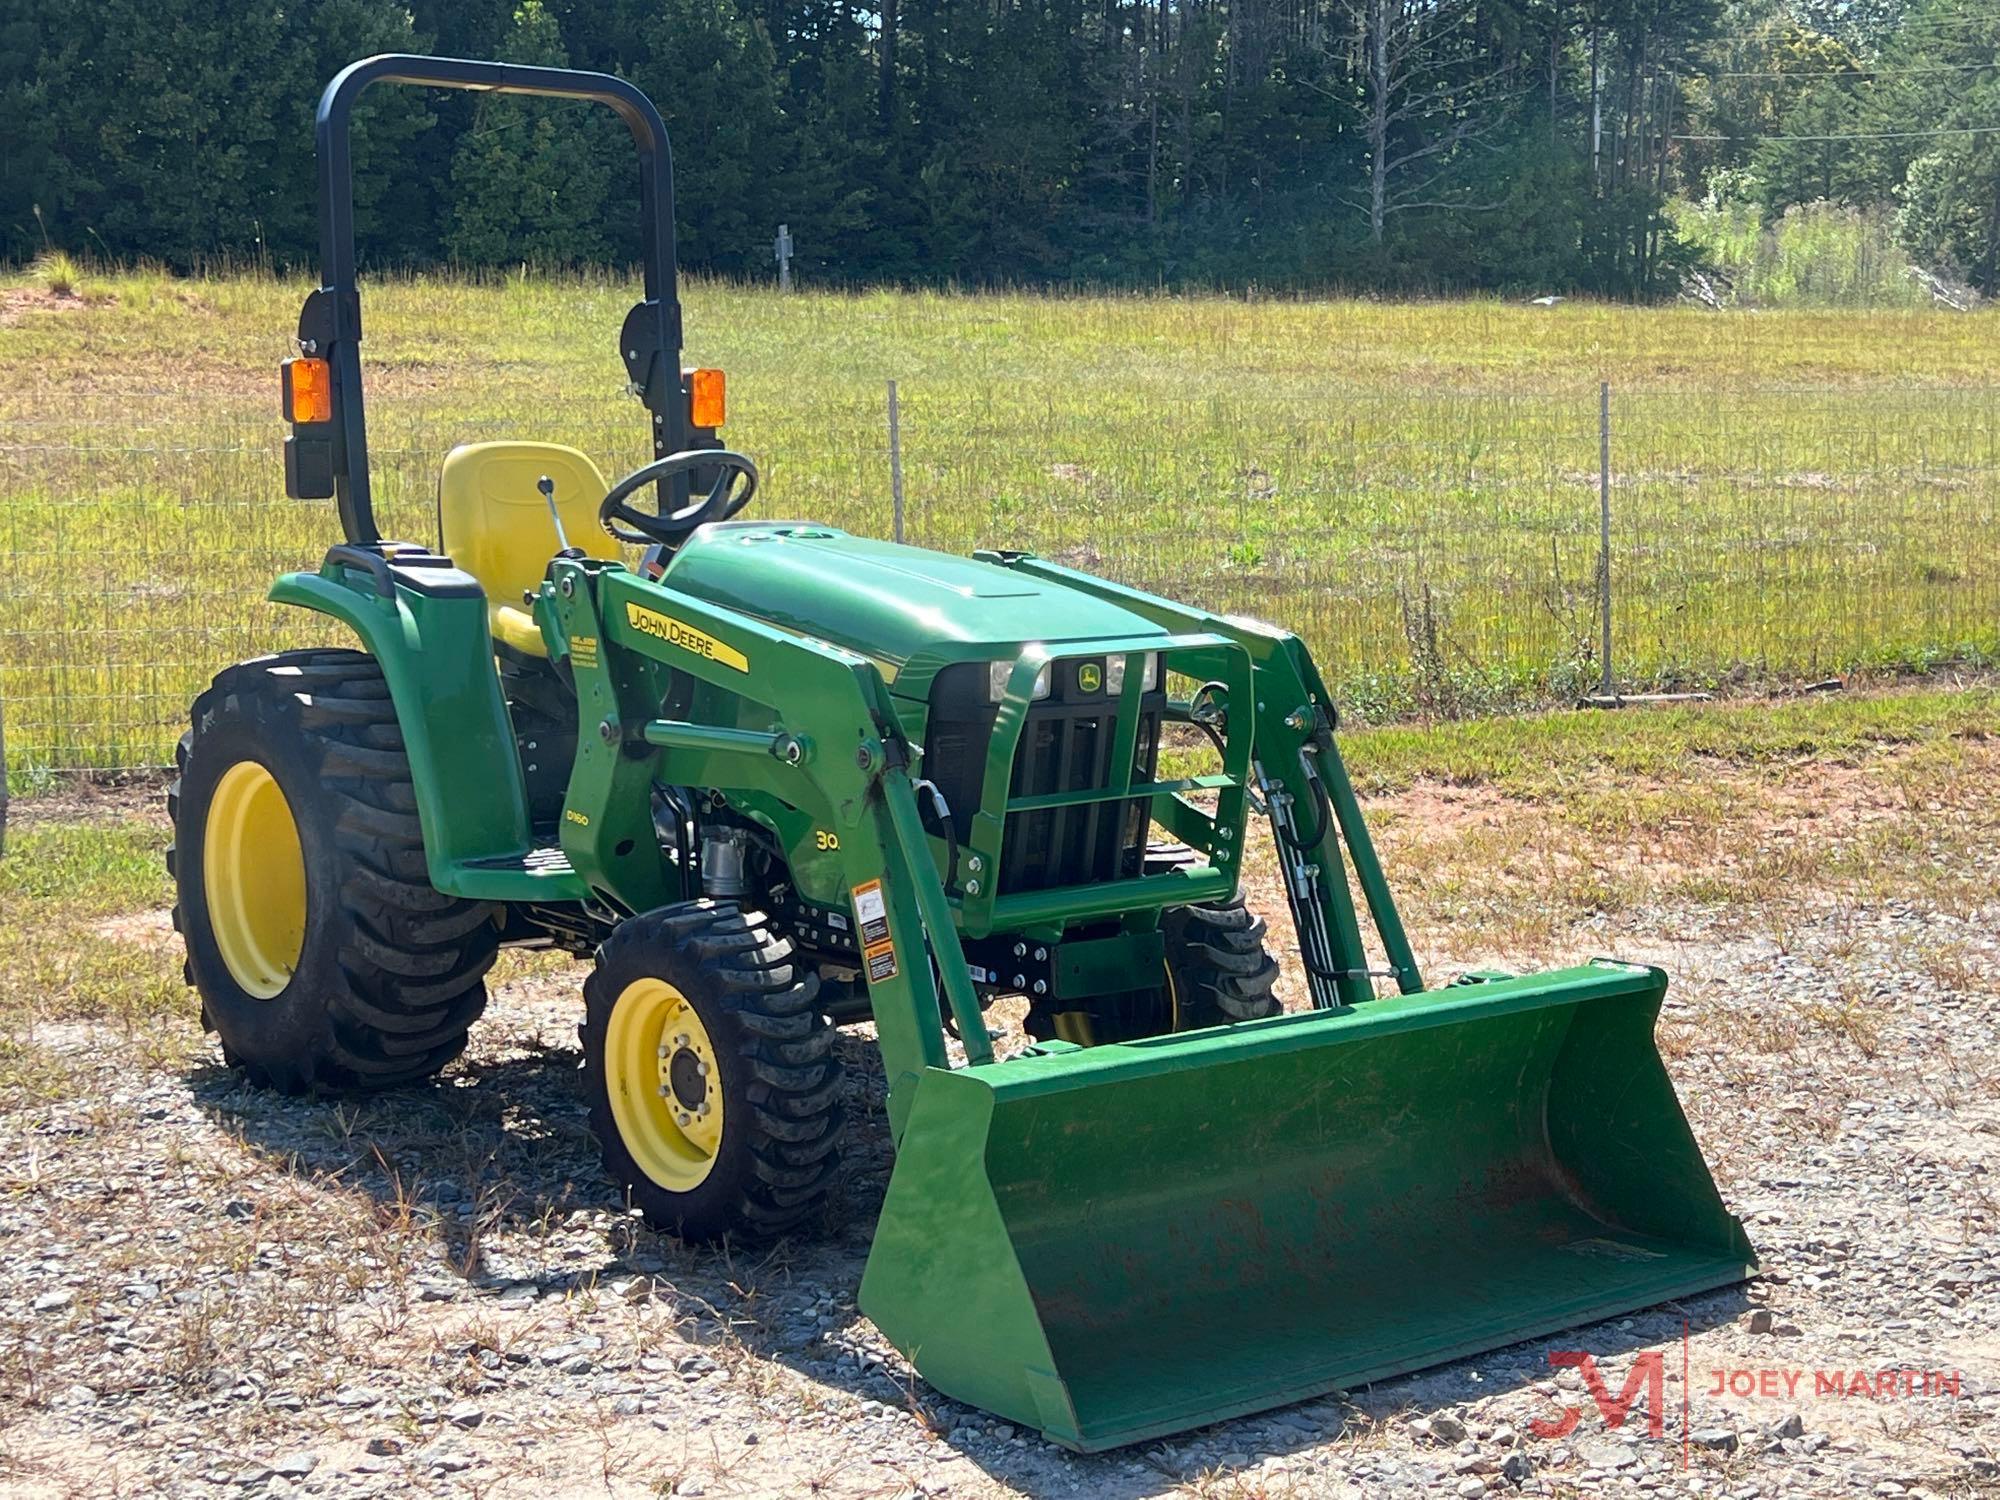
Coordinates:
<point>735,482</point>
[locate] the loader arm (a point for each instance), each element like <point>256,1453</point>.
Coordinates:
<point>833,747</point>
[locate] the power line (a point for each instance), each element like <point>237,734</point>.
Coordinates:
<point>1863,74</point>
<point>1873,135</point>
<point>1909,26</point>
<point>1945,22</point>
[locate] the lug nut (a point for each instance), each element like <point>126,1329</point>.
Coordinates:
<point>701,1070</point>
<point>1020,950</point>
<point>684,1118</point>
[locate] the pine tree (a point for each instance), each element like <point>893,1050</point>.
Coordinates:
<point>531,176</point>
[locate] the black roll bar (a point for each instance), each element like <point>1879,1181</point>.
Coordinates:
<point>330,323</point>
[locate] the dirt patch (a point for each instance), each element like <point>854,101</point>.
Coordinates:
<point>16,302</point>
<point>96,796</point>
<point>1439,808</point>
<point>142,929</point>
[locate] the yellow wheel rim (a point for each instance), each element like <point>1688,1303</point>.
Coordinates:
<point>666,1092</point>
<point>1076,1025</point>
<point>254,878</point>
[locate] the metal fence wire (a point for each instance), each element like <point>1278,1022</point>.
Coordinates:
<point>1440,551</point>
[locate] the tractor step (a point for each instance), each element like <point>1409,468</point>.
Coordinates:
<point>540,875</point>
<point>548,861</point>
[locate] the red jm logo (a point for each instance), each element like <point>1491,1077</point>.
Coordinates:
<point>1648,1372</point>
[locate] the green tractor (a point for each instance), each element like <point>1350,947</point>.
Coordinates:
<point>770,779</point>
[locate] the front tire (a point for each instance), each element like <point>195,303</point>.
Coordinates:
<point>324,958</point>
<point>714,1092</point>
<point>1217,971</point>
<point>1220,968</point>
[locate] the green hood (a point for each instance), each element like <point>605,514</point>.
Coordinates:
<point>913,611</point>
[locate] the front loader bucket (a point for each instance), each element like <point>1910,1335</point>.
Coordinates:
<point>1114,1243</point>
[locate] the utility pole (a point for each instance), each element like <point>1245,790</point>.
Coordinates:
<point>1596,114</point>
<point>781,249</point>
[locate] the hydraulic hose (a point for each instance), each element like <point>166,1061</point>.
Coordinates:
<point>1322,807</point>
<point>947,829</point>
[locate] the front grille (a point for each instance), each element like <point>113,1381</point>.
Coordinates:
<point>1066,746</point>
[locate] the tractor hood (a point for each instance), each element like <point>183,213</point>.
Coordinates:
<point>902,606</point>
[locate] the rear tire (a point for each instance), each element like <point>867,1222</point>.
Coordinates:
<point>714,1092</point>
<point>324,958</point>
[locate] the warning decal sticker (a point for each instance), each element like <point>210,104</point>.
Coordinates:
<point>871,916</point>
<point>871,911</point>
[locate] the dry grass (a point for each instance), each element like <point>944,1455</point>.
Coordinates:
<point>1410,485</point>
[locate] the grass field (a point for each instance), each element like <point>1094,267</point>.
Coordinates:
<point>1413,486</point>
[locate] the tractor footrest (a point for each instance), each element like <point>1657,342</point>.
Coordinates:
<point>538,875</point>
<point>535,862</point>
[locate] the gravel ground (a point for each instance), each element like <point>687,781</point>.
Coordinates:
<point>209,1290</point>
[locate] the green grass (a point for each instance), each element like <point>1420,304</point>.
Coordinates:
<point>1817,255</point>
<point>1552,755</point>
<point>1502,836</point>
<point>63,882</point>
<point>1411,485</point>
<point>99,868</point>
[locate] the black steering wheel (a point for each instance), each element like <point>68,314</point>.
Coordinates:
<point>735,482</point>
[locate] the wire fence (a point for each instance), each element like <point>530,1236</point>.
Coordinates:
<point>1439,550</point>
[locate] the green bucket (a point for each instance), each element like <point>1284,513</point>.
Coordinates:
<point>1118,1242</point>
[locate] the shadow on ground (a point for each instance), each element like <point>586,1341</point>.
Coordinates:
<point>496,1162</point>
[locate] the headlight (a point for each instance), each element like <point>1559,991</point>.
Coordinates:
<point>1114,673</point>
<point>997,674</point>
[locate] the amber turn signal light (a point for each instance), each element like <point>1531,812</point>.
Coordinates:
<point>706,400</point>
<point>308,391</point>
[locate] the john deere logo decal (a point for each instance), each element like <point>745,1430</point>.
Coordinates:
<point>1090,677</point>
<point>665,628</point>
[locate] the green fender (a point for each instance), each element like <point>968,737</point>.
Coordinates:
<point>437,656</point>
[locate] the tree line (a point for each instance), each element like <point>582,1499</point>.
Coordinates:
<point>1424,145</point>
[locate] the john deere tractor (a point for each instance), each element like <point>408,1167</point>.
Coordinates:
<point>768,778</point>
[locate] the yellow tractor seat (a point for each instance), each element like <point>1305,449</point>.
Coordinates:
<point>495,524</point>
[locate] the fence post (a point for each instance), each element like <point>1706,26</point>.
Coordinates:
<point>3,775</point>
<point>895,461</point>
<point>1604,687</point>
